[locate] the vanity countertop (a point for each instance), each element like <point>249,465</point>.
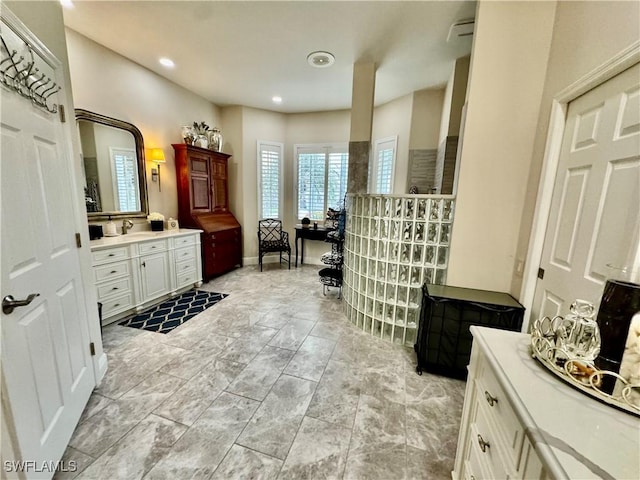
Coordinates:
<point>576,436</point>
<point>135,237</point>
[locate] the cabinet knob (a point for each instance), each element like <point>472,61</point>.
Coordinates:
<point>144,264</point>
<point>113,271</point>
<point>491,400</point>
<point>483,445</point>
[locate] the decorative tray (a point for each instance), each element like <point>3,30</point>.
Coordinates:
<point>581,373</point>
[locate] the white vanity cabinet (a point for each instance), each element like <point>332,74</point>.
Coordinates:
<point>520,421</point>
<point>135,271</point>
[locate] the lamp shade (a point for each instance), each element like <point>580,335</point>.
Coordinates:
<point>156,155</point>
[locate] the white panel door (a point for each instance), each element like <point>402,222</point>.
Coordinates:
<point>46,364</point>
<point>596,198</point>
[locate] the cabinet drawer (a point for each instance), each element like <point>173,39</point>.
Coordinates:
<point>493,398</point>
<point>152,247</point>
<point>482,433</point>
<point>186,253</point>
<point>225,236</point>
<point>116,287</point>
<point>184,241</point>
<point>109,255</point>
<point>187,278</point>
<point>111,271</point>
<point>474,467</point>
<point>186,266</point>
<point>117,305</point>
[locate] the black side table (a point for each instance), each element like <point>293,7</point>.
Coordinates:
<point>444,341</point>
<point>309,233</point>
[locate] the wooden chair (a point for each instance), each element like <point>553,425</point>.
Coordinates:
<point>271,238</point>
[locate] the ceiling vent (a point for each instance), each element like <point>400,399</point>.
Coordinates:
<point>461,29</point>
<point>321,59</point>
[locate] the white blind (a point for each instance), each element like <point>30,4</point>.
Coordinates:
<point>322,179</point>
<point>269,179</point>
<point>126,179</point>
<point>384,165</point>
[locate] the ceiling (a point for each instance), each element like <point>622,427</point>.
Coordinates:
<point>245,52</point>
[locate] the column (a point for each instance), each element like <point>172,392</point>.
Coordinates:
<point>364,80</point>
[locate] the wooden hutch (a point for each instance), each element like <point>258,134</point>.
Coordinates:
<point>203,202</point>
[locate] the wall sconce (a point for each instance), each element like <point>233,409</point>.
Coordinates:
<point>156,155</point>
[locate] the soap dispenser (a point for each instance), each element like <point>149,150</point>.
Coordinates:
<point>110,229</point>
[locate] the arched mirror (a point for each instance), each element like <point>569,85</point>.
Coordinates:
<point>113,165</point>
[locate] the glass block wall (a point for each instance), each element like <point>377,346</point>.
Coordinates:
<point>393,245</point>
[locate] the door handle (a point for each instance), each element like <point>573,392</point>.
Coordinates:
<point>9,303</point>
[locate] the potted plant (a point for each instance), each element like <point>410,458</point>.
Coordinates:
<point>157,221</point>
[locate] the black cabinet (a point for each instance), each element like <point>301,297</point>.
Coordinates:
<point>444,340</point>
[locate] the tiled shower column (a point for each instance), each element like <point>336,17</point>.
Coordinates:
<point>393,245</point>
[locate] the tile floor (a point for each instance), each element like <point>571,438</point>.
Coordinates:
<point>272,382</point>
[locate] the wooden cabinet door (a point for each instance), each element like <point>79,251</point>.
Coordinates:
<point>219,196</point>
<point>200,183</point>
<point>219,193</point>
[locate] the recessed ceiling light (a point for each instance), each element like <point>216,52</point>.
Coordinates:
<point>167,62</point>
<point>321,59</point>
<point>67,3</point>
<point>276,99</point>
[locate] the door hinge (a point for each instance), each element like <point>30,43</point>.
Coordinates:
<point>540,273</point>
<point>92,349</point>
<point>78,241</point>
<point>63,117</point>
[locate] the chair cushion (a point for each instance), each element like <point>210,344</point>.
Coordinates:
<point>274,246</point>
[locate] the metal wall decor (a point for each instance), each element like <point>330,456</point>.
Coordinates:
<point>23,71</point>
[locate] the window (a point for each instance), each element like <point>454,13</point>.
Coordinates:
<point>270,180</point>
<point>125,179</point>
<point>383,165</point>
<point>322,179</point>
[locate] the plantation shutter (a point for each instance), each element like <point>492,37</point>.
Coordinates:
<point>322,179</point>
<point>311,185</point>
<point>383,174</point>
<point>337,179</point>
<point>126,179</point>
<point>269,179</point>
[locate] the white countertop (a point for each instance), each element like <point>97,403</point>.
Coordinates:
<point>575,435</point>
<point>135,237</point>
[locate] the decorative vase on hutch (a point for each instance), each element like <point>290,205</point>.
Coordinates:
<point>188,134</point>
<point>215,140</point>
<point>201,141</point>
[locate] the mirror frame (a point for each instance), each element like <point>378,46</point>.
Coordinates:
<point>142,171</point>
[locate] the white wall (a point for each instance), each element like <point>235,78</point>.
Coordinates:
<point>109,84</point>
<point>256,125</point>
<point>391,119</point>
<point>508,68</point>
<point>586,35</point>
<point>426,114</point>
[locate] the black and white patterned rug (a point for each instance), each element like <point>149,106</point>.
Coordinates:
<point>174,312</point>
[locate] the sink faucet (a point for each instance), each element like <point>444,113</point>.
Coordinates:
<point>126,225</point>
